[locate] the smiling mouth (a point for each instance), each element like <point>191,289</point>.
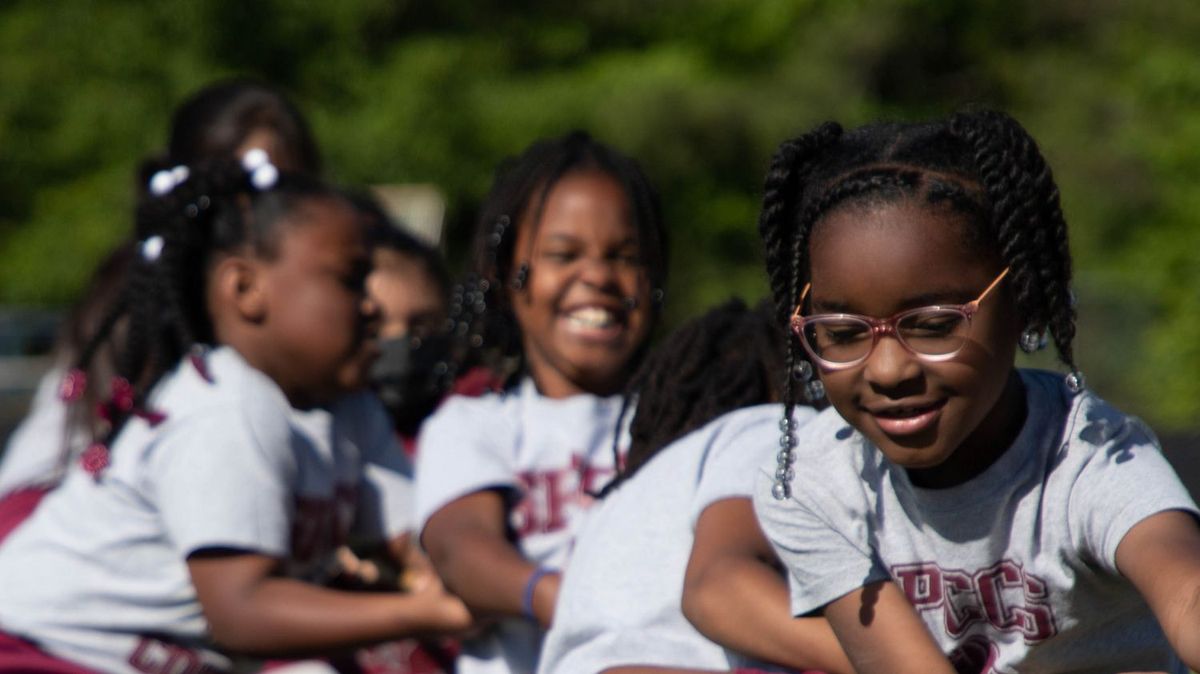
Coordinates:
<point>593,318</point>
<point>899,421</point>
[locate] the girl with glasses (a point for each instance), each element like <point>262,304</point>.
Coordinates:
<point>952,512</point>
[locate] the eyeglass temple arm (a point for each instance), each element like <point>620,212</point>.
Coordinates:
<point>800,302</point>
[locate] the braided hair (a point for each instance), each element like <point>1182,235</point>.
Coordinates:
<point>521,186</point>
<point>722,361</point>
<point>981,164</point>
<point>211,210</point>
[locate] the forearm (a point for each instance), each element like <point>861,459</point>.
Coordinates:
<point>742,604</point>
<point>883,634</point>
<point>281,616</point>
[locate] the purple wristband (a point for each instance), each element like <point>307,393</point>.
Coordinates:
<point>530,586</point>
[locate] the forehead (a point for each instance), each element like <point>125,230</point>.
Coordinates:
<point>877,259</point>
<point>322,228</point>
<point>582,205</point>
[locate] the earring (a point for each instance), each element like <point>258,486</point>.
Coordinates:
<point>520,277</point>
<point>1074,381</point>
<point>629,303</point>
<point>814,390</point>
<point>657,296</point>
<point>1033,340</point>
<point>784,472</point>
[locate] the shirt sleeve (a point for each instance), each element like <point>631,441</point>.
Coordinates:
<point>465,447</point>
<point>730,468</point>
<point>1126,480</point>
<point>825,560</point>
<point>225,480</point>
<point>386,506</point>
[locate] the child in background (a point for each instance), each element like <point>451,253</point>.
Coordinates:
<point>703,423</point>
<point>410,285</point>
<point>232,463</point>
<point>952,512</point>
<point>571,257</point>
<point>222,120</point>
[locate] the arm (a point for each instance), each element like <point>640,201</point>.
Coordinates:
<point>735,596</point>
<point>468,544</point>
<point>251,610</point>
<point>883,634</point>
<point>1161,557</point>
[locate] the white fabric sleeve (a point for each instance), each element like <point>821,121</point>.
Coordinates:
<point>386,495</point>
<point>1126,480</point>
<point>226,480</point>
<point>823,563</point>
<point>730,467</point>
<point>465,447</point>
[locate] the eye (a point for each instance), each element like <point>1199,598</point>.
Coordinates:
<point>559,255</point>
<point>841,332</point>
<point>932,324</point>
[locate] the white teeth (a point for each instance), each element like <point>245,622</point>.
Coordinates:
<point>592,317</point>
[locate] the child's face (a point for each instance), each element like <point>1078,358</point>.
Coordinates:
<point>880,260</point>
<point>409,299</point>
<point>585,308</point>
<point>316,316</point>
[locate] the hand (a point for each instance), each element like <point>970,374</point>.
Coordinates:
<point>445,613</point>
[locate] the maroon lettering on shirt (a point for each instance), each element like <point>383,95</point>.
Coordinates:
<point>1002,597</point>
<point>549,495</point>
<point>159,657</point>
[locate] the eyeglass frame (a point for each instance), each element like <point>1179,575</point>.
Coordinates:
<point>886,326</point>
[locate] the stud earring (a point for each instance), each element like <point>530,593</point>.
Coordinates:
<point>1074,381</point>
<point>1033,340</point>
<point>813,389</point>
<point>520,277</point>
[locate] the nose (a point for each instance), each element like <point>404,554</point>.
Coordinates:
<point>890,364</point>
<point>599,272</point>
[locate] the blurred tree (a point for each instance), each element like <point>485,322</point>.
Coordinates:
<point>700,90</point>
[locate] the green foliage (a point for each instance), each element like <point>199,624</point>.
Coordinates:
<point>700,90</point>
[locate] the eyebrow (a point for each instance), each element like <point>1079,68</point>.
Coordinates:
<point>562,237</point>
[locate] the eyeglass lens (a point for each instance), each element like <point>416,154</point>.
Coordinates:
<point>843,339</point>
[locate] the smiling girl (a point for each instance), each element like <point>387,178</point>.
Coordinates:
<point>952,512</point>
<point>571,255</point>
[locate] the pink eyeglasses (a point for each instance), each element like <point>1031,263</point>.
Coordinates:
<point>840,341</point>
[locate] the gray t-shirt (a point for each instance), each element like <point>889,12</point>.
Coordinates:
<point>1013,570</point>
<point>620,599</point>
<point>98,573</point>
<point>548,454</point>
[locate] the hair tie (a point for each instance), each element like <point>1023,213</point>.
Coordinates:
<point>263,174</point>
<point>151,248</point>
<point>162,182</point>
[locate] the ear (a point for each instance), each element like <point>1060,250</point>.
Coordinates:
<point>239,285</point>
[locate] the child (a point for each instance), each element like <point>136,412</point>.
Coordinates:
<point>954,513</point>
<point>571,255</point>
<point>224,119</point>
<point>411,287</point>
<point>702,425</point>
<point>232,464</point>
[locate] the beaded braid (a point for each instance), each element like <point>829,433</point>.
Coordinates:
<point>208,209</point>
<point>722,361</point>
<point>982,164</point>
<point>479,305</point>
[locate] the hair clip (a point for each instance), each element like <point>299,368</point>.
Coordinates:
<point>151,248</point>
<point>94,459</point>
<point>263,174</point>
<point>73,385</point>
<point>162,182</point>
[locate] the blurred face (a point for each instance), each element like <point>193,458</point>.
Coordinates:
<point>410,301</point>
<point>585,306</point>
<point>316,317</point>
<point>943,421</point>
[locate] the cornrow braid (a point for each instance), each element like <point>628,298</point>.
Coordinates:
<point>161,309</point>
<point>719,362</point>
<point>521,186</point>
<point>982,165</point>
